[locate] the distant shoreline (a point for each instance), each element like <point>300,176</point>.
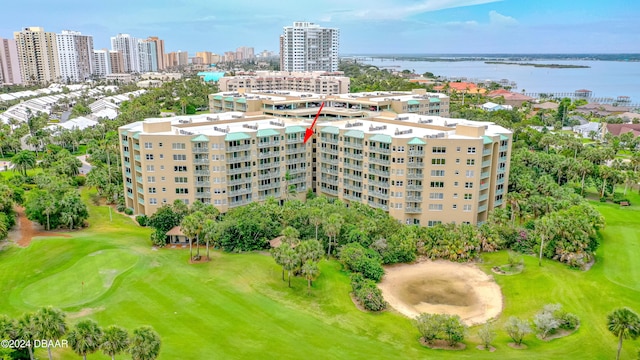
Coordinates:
<point>497,57</point>
<point>553,66</point>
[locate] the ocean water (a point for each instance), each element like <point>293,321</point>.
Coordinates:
<point>603,78</point>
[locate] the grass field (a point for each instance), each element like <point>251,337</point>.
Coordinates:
<point>236,306</point>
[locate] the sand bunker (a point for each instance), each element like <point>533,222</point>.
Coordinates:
<point>442,287</point>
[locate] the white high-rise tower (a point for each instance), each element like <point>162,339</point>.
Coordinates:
<point>307,46</point>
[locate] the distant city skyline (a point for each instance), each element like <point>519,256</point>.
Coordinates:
<point>384,26</point>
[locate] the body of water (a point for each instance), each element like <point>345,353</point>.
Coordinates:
<point>603,78</point>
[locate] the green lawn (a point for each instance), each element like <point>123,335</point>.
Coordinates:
<point>236,306</point>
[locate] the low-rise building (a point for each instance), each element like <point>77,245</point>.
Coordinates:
<point>320,82</point>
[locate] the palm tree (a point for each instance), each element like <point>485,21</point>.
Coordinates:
<point>191,226</point>
<point>24,160</point>
<point>315,218</point>
<point>277,254</point>
<point>210,231</point>
<point>290,261</point>
<point>145,344</point>
<point>310,271</point>
<point>546,229</point>
<point>49,324</point>
<point>333,225</point>
<point>115,340</point>
<point>290,236</point>
<point>85,338</point>
<point>26,330</point>
<point>8,327</point>
<point>625,324</point>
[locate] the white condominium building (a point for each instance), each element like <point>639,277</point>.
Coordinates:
<point>75,56</point>
<point>307,46</point>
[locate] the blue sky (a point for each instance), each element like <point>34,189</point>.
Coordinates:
<point>380,26</point>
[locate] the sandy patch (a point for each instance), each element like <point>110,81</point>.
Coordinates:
<point>84,312</point>
<point>25,230</point>
<point>442,287</point>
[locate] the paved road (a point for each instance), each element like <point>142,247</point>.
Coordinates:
<point>84,169</point>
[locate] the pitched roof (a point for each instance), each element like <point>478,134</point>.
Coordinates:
<point>175,231</point>
<point>617,129</point>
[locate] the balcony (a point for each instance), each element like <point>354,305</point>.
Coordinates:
<point>139,179</point>
<point>378,194</point>
<point>297,170</point>
<point>275,185</point>
<point>502,159</point>
<point>240,192</point>
<point>382,184</point>
<point>140,190</point>
<point>500,181</point>
<point>326,150</point>
<point>486,152</point>
<point>501,170</point>
<point>352,197</point>
<point>136,146</point>
<point>497,202</point>
<point>243,180</point>
<point>328,191</point>
<point>352,177</point>
<point>486,163</point>
<point>297,150</point>
<point>126,153</point>
<point>238,148</point>
<point>268,143</point>
<point>413,210</point>
<point>269,165</point>
<point>201,172</point>
<point>504,148</point>
<point>378,206</point>
<point>328,140</point>
<point>352,166</point>
<point>484,175</point>
<point>380,150</point>
<point>129,185</point>
<point>352,187</point>
<point>328,160</point>
<point>415,165</point>
<point>136,157</point>
<point>203,183</point>
<point>329,181</point>
<point>325,170</point>
<point>482,208</point>
<point>378,161</point>
<point>353,145</point>
<point>499,191</point>
<point>237,159</point>
<point>130,195</point>
<point>353,156</point>
<point>141,201</point>
<point>379,172</point>
<point>240,170</point>
<point>484,186</point>
<point>200,150</point>
<point>139,169</point>
<point>239,202</point>
<point>415,176</point>
<point>203,194</point>
<point>201,161</point>
<point>483,197</point>
<point>416,152</point>
<point>414,198</point>
<point>300,160</point>
<point>415,187</point>
<point>263,155</point>
<point>294,140</point>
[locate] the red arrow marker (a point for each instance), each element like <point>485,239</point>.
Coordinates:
<point>309,132</point>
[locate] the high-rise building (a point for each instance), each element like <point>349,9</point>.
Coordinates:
<point>148,56</point>
<point>128,46</point>
<point>9,62</point>
<point>116,60</point>
<point>307,46</point>
<point>75,53</point>
<point>101,62</point>
<point>244,53</point>
<point>159,51</point>
<point>183,58</point>
<point>38,55</point>
<point>205,56</point>
<point>422,170</point>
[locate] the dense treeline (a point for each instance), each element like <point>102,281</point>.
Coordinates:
<point>371,78</point>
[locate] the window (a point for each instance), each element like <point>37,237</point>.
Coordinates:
<point>471,162</point>
<point>400,160</point>
<point>148,145</point>
<point>161,156</point>
<point>471,150</point>
<point>178,146</point>
<point>153,201</point>
<point>466,208</point>
<point>179,157</point>
<point>399,183</point>
<point>159,144</point>
<point>149,156</point>
<point>457,161</point>
<point>455,183</point>
<point>152,190</point>
<point>454,206</point>
<point>182,190</point>
<point>439,150</point>
<point>455,195</point>
<point>468,185</point>
<point>458,148</point>
<point>400,172</point>
<point>438,161</point>
<point>469,173</point>
<point>437,173</point>
<point>151,179</point>
<point>164,189</point>
<point>437,184</point>
<point>436,196</point>
<point>468,196</point>
<point>180,180</point>
<point>400,148</point>
<point>435,207</point>
<point>150,168</point>
<point>180,168</point>
<point>433,222</point>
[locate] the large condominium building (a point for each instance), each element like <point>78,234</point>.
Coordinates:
<point>116,59</point>
<point>38,55</point>
<point>343,106</point>
<point>159,43</point>
<point>128,46</point>
<point>320,82</point>
<point>205,56</point>
<point>421,169</point>
<point>9,62</point>
<point>148,56</point>
<point>101,62</point>
<point>307,46</point>
<point>75,56</point>
<point>244,53</point>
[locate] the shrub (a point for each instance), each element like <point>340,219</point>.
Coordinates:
<point>515,260</point>
<point>487,335</point>
<point>128,211</point>
<point>603,199</point>
<point>142,220</point>
<point>367,293</point>
<point>429,326</point>
<point>569,321</point>
<point>358,259</point>
<point>517,329</point>
<point>121,207</point>
<point>545,323</point>
<point>95,198</point>
<point>440,326</point>
<point>159,238</point>
<point>79,180</point>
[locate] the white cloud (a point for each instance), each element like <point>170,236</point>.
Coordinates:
<point>391,10</point>
<point>496,18</point>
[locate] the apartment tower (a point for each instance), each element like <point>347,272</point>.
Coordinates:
<point>128,46</point>
<point>9,62</point>
<point>101,62</point>
<point>307,46</point>
<point>75,55</point>
<point>38,55</point>
<point>159,51</point>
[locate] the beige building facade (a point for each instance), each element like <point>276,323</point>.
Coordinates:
<point>38,55</point>
<point>420,169</point>
<point>319,82</point>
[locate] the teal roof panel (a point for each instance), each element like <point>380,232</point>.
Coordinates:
<point>330,130</point>
<point>413,102</point>
<point>358,134</point>
<point>381,138</point>
<point>294,129</point>
<point>267,132</point>
<point>200,138</point>
<point>417,141</point>
<point>236,136</point>
<point>487,140</point>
